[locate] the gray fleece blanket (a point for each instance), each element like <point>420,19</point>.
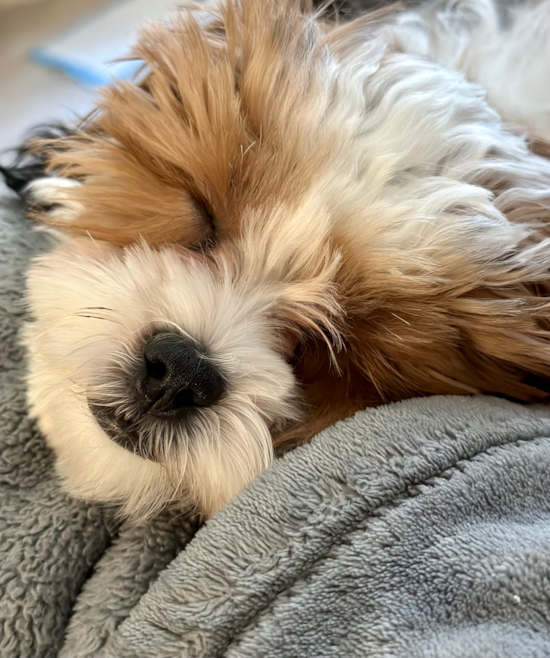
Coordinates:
<point>420,529</point>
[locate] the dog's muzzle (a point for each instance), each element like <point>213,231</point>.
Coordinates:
<point>175,377</point>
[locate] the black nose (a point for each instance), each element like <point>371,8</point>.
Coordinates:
<point>176,376</point>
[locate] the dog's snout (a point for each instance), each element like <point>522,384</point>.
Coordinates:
<point>176,376</point>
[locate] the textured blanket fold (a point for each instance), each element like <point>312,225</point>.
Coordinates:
<point>417,529</point>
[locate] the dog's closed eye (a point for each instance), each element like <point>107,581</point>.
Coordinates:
<point>209,220</point>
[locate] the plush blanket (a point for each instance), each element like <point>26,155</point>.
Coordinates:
<point>418,529</point>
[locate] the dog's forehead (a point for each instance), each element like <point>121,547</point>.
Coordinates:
<point>226,121</point>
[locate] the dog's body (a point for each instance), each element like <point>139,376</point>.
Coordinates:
<point>324,218</point>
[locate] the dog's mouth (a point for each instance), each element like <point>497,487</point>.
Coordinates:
<point>123,432</point>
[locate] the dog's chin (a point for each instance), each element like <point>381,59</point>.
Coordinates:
<point>136,438</point>
<point>204,469</point>
<point>103,458</point>
<point>122,431</point>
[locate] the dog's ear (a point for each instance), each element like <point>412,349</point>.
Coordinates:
<point>99,188</point>
<point>493,340</point>
<point>164,159</point>
<point>120,202</point>
<point>131,170</point>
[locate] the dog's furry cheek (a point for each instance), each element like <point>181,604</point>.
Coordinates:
<point>91,466</point>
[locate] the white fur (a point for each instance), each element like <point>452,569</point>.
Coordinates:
<point>51,191</point>
<point>507,54</point>
<point>76,347</point>
<point>413,138</point>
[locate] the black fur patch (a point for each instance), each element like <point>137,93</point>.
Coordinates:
<point>29,164</point>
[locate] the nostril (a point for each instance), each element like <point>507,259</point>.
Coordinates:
<point>182,399</point>
<point>156,370</point>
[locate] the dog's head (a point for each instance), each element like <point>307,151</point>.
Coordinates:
<point>201,258</point>
<point>280,224</point>
<point>179,356</point>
